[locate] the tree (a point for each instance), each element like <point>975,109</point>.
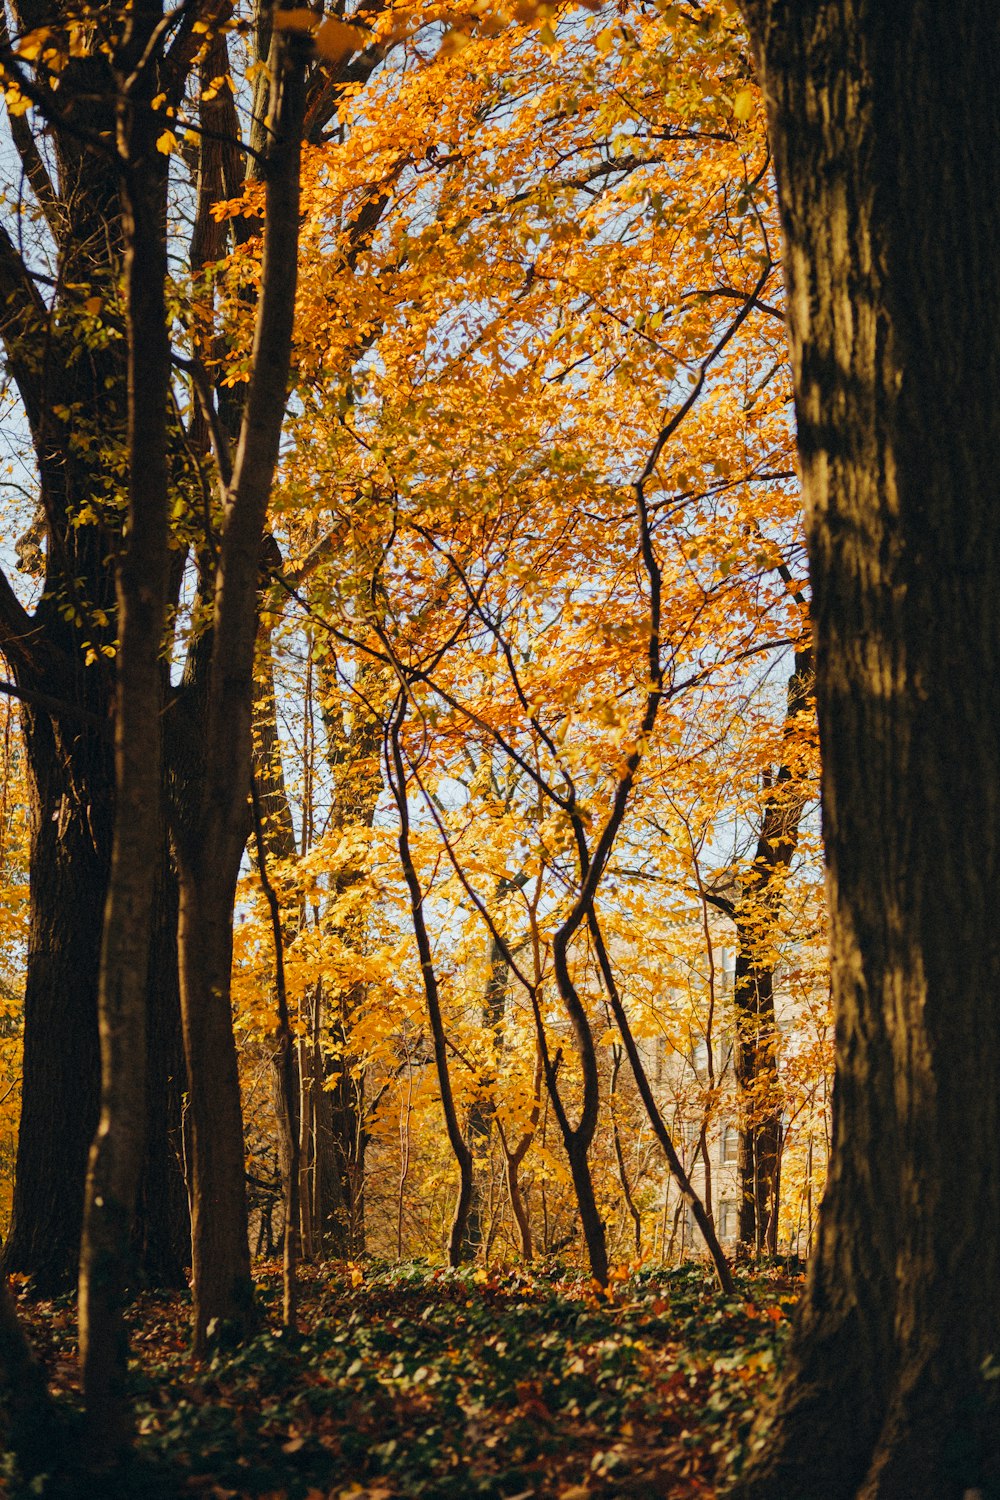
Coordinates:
<point>210,826</point>
<point>141,590</point>
<point>69,366</point>
<point>449,422</point>
<point>887,156</point>
<point>754,910</point>
<point>69,362</point>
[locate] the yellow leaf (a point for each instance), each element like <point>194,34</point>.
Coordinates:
<point>93,305</point>
<point>605,40</point>
<point>30,46</point>
<point>298,19</point>
<point>743,104</point>
<point>17,103</point>
<point>454,41</point>
<point>336,40</point>
<point>167,142</point>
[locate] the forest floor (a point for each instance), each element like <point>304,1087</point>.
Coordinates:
<point>413,1381</point>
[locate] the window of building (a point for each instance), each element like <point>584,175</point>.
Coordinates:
<point>729,1145</point>
<point>728,1219</point>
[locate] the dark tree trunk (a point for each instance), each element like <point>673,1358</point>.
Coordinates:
<point>331,1088</point>
<point>483,1108</point>
<point>287,1079</point>
<point>71,802</point>
<point>353,747</point>
<point>70,768</point>
<point>883,123</point>
<point>342,1139</point>
<point>163,1225</point>
<point>141,580</point>
<point>210,835</point>
<point>626,1186</point>
<point>456,1138</point>
<point>30,1426</point>
<point>513,1157</point>
<point>272,847</point>
<point>58,653</point>
<point>756,914</point>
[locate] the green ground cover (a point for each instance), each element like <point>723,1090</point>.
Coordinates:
<point>416,1382</point>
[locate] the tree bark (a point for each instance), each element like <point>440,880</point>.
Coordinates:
<point>116,1156</point>
<point>332,1091</point>
<point>699,1211</point>
<point>887,152</point>
<point>58,650</point>
<point>71,787</point>
<point>162,1225</point>
<point>456,1138</point>
<point>32,1428</point>
<point>287,1084</point>
<point>755,1051</point>
<point>273,844</point>
<point>211,834</point>
<point>514,1158</point>
<point>71,800</point>
<point>482,1110</point>
<point>353,754</point>
<point>626,1186</point>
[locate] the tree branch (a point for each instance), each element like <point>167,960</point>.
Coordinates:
<point>57,707</point>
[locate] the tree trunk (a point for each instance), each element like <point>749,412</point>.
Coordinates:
<point>626,1186</point>
<point>482,1110</point>
<point>32,1430</point>
<point>577,1138</point>
<point>69,756</point>
<point>342,1138</point>
<point>210,843</point>
<point>756,913</point>
<point>71,803</point>
<point>288,1085</point>
<point>116,1156</point>
<point>888,163</point>
<point>333,1136</point>
<point>514,1158</point>
<point>59,652</point>
<point>272,846</point>
<point>162,1221</point>
<point>456,1139</point>
<point>700,1212</point>
<point>220,1246</point>
<point>353,725</point>
<point>755,1064</point>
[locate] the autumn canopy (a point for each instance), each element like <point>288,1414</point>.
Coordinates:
<point>418,679</point>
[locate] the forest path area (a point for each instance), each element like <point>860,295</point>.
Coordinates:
<point>411,1381</point>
